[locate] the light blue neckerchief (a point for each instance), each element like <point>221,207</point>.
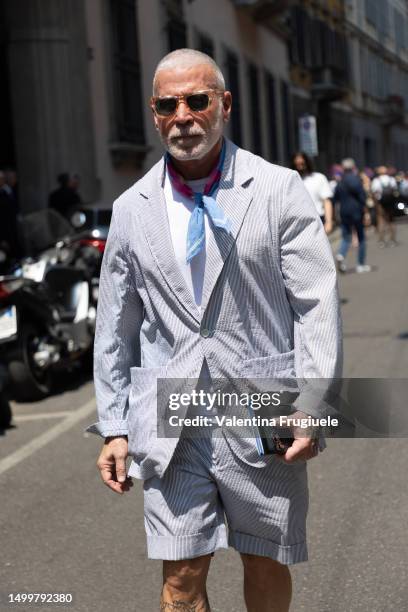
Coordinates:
<point>203,202</point>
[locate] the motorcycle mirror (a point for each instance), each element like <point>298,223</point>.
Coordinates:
<point>78,219</point>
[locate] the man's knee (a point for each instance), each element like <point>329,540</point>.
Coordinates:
<point>187,576</point>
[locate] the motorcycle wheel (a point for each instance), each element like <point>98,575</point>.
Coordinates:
<point>28,382</point>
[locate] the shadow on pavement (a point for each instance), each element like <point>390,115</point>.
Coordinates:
<point>70,380</point>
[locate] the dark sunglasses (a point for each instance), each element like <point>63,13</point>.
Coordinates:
<point>197,102</point>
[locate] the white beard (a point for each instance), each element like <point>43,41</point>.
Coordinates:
<point>195,148</point>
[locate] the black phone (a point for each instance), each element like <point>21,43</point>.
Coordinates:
<point>275,440</point>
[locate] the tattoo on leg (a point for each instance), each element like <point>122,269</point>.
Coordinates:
<point>180,606</point>
<point>183,606</point>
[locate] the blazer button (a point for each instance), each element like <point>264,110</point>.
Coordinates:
<point>205,332</point>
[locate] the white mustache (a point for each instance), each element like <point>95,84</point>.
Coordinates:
<point>178,134</point>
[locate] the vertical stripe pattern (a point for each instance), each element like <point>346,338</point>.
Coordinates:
<point>265,510</point>
<point>269,294</point>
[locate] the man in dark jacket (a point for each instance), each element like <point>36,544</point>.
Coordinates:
<point>66,197</point>
<point>352,198</point>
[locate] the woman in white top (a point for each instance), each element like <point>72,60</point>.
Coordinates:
<point>318,187</point>
<point>385,190</point>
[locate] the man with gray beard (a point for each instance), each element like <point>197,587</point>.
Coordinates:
<point>216,266</point>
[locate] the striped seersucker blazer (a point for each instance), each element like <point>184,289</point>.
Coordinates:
<point>270,304</point>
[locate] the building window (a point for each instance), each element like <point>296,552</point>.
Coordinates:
<point>270,95</point>
<point>205,44</point>
<point>232,73</point>
<point>300,43</point>
<point>371,11</point>
<point>366,64</point>
<point>128,99</point>
<point>384,18</point>
<point>255,112</point>
<point>176,34</point>
<point>316,42</point>
<point>399,30</point>
<point>176,26</point>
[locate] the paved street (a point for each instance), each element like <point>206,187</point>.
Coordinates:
<point>63,531</point>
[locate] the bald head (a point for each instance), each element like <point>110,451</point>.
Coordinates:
<point>188,58</point>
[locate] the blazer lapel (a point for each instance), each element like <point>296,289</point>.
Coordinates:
<point>157,230</point>
<point>234,197</point>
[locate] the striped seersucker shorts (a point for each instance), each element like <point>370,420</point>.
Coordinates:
<point>209,499</point>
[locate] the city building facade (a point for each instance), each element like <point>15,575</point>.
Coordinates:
<point>77,76</point>
<point>320,75</point>
<point>377,31</point>
<point>79,79</point>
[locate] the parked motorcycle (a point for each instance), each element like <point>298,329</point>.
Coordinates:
<point>93,224</point>
<point>47,312</point>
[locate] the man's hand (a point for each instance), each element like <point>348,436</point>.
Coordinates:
<point>112,464</point>
<point>305,445</point>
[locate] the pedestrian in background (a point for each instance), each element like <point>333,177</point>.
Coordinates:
<point>336,174</point>
<point>66,197</point>
<point>317,186</point>
<point>385,190</point>
<point>352,199</point>
<point>366,176</point>
<point>403,187</point>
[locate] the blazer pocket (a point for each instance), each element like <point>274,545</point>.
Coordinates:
<point>281,365</point>
<point>274,373</point>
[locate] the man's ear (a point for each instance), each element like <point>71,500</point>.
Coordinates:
<point>227,105</point>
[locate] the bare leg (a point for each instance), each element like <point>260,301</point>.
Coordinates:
<point>184,585</point>
<point>267,584</point>
<point>391,226</point>
<point>380,223</point>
